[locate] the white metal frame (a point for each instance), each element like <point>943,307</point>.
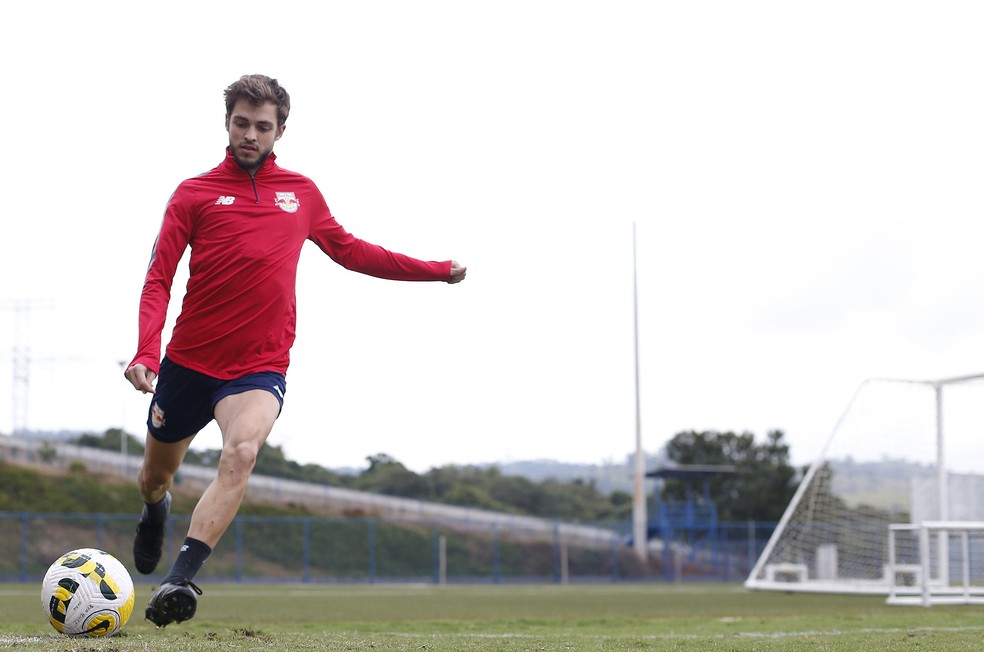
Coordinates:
<point>935,590</point>
<point>755,577</point>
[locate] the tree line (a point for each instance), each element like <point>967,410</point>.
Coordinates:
<point>760,488</point>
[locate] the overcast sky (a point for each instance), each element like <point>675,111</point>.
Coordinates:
<point>805,180</point>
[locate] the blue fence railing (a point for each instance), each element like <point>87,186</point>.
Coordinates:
<point>349,549</point>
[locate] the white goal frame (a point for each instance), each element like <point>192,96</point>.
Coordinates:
<point>775,571</point>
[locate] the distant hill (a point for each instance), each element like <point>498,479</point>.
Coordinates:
<point>607,477</point>
<point>886,483</point>
<point>51,435</point>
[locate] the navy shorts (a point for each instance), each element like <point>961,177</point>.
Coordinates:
<point>184,401</point>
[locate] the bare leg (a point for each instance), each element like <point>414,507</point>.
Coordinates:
<point>245,420</point>
<point>160,463</point>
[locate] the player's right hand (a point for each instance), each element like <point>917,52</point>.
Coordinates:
<point>141,378</point>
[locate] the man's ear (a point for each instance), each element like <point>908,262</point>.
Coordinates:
<point>280,130</point>
<point>227,122</point>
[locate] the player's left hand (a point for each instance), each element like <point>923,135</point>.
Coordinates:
<point>457,272</point>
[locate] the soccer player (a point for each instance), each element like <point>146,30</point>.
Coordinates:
<point>245,222</point>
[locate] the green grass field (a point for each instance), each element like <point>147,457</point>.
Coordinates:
<point>512,617</point>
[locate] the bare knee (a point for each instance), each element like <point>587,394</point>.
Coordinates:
<point>160,462</point>
<point>237,460</point>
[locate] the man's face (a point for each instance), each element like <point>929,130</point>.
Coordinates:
<point>252,132</point>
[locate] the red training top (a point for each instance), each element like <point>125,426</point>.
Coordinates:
<point>246,233</point>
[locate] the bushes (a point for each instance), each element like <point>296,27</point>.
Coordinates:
<point>24,489</point>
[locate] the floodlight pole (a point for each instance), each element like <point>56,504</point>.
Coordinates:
<point>640,530</point>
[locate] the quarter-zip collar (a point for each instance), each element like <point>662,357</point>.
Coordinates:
<point>231,167</point>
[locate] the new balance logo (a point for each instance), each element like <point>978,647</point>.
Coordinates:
<point>225,201</point>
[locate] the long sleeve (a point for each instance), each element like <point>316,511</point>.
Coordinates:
<point>366,258</point>
<point>172,240</point>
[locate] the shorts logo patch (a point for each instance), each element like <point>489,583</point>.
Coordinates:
<point>157,416</point>
<point>287,202</point>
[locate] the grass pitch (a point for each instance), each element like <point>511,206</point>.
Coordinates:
<point>512,617</point>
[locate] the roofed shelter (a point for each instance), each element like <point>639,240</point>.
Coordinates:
<point>693,521</point>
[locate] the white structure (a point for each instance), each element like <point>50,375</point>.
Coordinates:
<point>905,454</point>
<point>954,579</point>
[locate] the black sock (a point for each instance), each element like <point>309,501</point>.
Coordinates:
<point>190,559</point>
<point>157,512</point>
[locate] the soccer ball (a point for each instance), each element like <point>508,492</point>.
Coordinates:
<point>87,592</point>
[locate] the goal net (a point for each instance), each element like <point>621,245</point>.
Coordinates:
<point>903,452</point>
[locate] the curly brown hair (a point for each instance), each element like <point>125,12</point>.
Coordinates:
<point>257,90</point>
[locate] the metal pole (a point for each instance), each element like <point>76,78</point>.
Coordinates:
<point>496,556</point>
<point>240,548</point>
<point>306,553</point>
<point>892,575</point>
<point>965,550</point>
<point>371,523</point>
<point>438,557</point>
<point>941,457</point>
<point>943,492</point>
<point>615,546</point>
<point>565,577</point>
<point>442,567</point>
<point>640,533</point>
<point>926,565</point>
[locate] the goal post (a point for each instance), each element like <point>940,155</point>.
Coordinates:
<point>902,453</point>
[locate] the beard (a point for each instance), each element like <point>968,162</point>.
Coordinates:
<point>251,165</point>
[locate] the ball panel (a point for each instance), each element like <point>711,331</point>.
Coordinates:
<point>87,592</point>
<point>104,622</point>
